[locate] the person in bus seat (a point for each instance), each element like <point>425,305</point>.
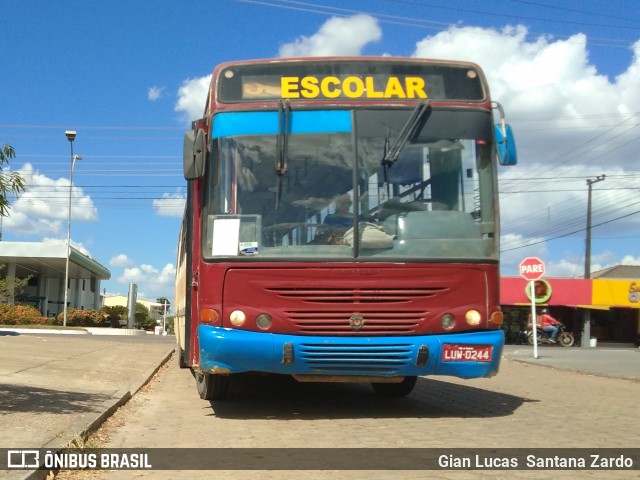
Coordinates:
<point>336,224</point>
<point>342,217</point>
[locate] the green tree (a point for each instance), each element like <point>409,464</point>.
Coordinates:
<point>143,319</point>
<point>9,183</point>
<point>160,308</point>
<point>11,286</point>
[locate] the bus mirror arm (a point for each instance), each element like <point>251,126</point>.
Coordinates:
<point>505,140</point>
<point>194,154</point>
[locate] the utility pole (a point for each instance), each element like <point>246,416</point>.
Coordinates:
<point>586,328</point>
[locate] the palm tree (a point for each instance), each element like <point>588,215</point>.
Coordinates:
<point>9,183</point>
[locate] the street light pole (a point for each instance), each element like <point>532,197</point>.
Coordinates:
<point>164,317</point>
<point>71,136</point>
<point>586,329</point>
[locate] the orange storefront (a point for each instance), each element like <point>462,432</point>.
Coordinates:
<point>614,305</point>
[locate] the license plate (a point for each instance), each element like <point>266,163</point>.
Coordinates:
<point>466,353</point>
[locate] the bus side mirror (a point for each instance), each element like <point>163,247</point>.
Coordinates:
<point>506,145</point>
<point>194,153</point>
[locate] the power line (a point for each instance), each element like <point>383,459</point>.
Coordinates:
<point>497,13</point>
<point>569,233</point>
<point>431,25</point>
<point>598,14</point>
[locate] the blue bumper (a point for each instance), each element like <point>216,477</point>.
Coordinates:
<point>224,350</point>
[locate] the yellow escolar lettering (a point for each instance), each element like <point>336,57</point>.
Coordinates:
<point>290,87</point>
<point>352,87</point>
<point>328,87</point>
<point>309,87</point>
<point>415,87</point>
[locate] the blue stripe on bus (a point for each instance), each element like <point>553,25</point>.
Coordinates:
<point>266,123</point>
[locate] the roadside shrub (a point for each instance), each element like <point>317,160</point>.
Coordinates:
<point>81,318</point>
<point>115,314</point>
<point>21,315</point>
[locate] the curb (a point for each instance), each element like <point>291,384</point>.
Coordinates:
<point>22,331</point>
<point>84,331</point>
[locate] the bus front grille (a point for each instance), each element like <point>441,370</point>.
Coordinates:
<point>355,295</point>
<point>376,322</point>
<point>355,359</point>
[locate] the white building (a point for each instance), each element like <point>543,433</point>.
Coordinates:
<point>46,263</point>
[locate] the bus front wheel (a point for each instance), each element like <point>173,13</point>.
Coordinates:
<point>211,387</point>
<point>395,389</point>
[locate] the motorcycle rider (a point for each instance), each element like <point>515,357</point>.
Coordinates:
<point>548,324</point>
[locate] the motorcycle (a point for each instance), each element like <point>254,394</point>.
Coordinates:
<point>564,338</point>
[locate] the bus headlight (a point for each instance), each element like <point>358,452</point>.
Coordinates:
<point>447,321</point>
<point>237,318</point>
<point>263,321</point>
<point>473,317</point>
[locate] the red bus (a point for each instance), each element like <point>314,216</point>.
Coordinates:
<point>342,224</point>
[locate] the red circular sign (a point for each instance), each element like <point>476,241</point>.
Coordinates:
<point>532,268</point>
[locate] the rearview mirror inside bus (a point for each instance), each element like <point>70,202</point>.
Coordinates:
<point>506,145</point>
<point>193,155</point>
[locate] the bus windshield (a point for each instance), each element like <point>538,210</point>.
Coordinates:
<point>322,184</point>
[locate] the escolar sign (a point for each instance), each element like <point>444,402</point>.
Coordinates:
<point>352,87</point>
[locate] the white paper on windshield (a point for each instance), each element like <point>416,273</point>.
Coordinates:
<point>226,235</point>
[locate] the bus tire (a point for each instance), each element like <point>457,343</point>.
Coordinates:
<point>395,389</point>
<point>211,387</point>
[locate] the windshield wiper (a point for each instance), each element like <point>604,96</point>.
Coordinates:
<point>408,131</point>
<point>282,143</point>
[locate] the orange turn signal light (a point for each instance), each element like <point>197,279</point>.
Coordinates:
<point>497,317</point>
<point>209,316</point>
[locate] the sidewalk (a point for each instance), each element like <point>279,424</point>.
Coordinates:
<point>603,361</point>
<point>55,387</point>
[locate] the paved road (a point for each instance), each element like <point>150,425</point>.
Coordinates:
<point>606,361</point>
<point>527,405</point>
<point>54,387</point>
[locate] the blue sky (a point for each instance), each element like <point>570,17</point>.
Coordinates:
<point>128,77</point>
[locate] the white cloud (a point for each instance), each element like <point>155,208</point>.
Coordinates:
<point>546,81</point>
<point>154,93</point>
<point>170,205</point>
<point>337,36</point>
<point>192,96</point>
<point>43,207</point>
<point>630,260</point>
<point>120,260</point>
<point>152,282</point>
<point>63,241</point>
